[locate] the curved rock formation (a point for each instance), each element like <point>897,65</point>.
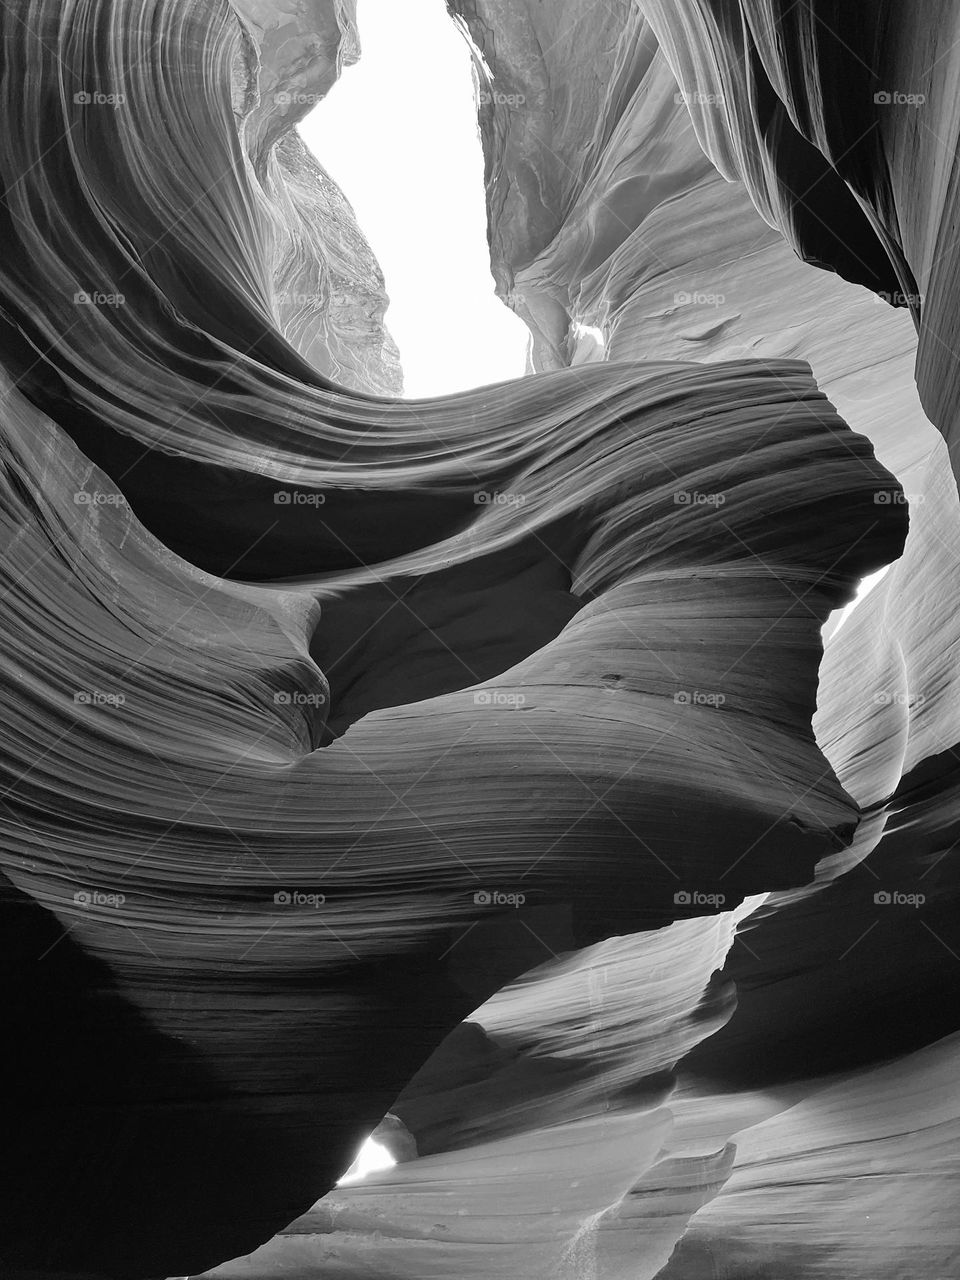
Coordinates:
<point>835,117</point>
<point>331,721</point>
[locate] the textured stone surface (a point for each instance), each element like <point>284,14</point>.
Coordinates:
<point>328,288</point>
<point>305,689</point>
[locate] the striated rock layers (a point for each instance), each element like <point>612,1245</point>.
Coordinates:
<point>477,761</point>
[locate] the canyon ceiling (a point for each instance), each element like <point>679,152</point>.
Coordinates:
<point>497,764</point>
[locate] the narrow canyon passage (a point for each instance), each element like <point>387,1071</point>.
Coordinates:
<point>524,745</point>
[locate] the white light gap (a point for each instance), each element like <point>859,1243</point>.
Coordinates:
<point>399,134</point>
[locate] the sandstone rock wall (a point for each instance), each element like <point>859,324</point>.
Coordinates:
<point>477,760</point>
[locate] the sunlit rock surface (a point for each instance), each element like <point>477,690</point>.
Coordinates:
<point>475,761</point>
<point>328,288</point>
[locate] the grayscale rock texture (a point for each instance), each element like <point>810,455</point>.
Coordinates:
<point>495,772</point>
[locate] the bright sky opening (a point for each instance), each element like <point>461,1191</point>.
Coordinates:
<point>867,584</point>
<point>399,134</point>
<point>372,1157</point>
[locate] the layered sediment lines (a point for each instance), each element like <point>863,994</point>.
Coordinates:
<point>863,968</point>
<point>181,819</point>
<point>330,717</point>
<point>840,121</point>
